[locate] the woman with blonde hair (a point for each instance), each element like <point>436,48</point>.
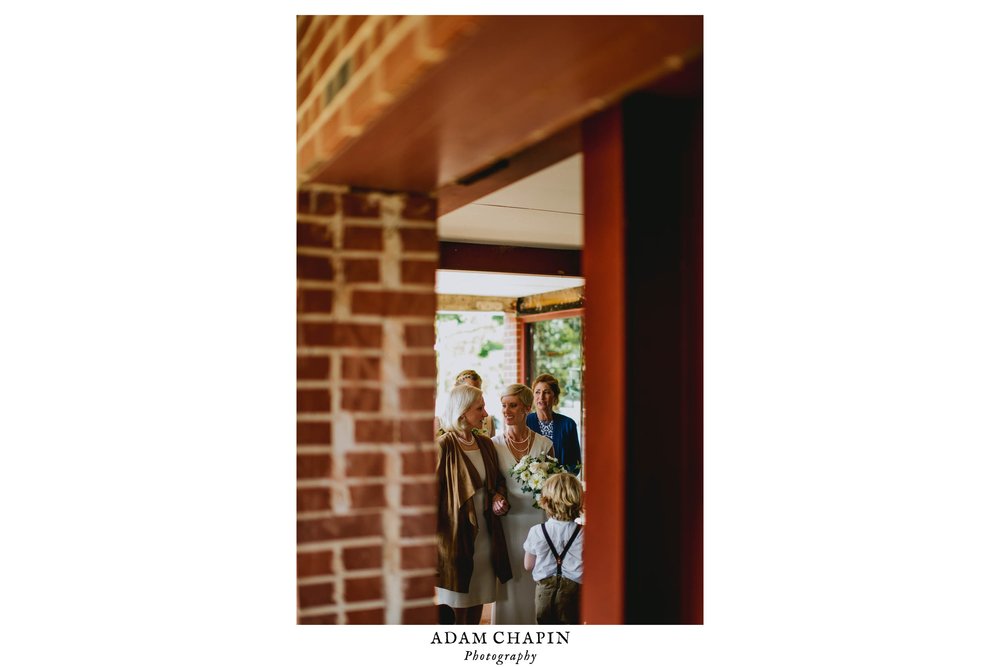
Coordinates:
<point>473,379</point>
<point>472,496</point>
<point>515,603</point>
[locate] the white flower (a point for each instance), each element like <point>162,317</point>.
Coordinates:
<point>524,475</point>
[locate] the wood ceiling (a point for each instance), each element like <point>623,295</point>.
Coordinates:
<point>514,92</point>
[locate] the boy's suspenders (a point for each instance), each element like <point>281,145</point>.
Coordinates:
<point>559,556</point>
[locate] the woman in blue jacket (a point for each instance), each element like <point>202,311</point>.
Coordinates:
<point>560,429</point>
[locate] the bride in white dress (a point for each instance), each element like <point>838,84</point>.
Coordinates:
<point>515,604</point>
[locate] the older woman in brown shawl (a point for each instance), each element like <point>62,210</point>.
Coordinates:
<point>472,496</point>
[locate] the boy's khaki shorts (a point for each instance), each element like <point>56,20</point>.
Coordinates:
<point>557,601</point>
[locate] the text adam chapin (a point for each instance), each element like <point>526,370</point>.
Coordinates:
<point>501,637</point>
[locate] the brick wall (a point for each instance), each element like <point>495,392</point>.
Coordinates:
<point>366,375</point>
<point>513,368</point>
<point>351,68</point>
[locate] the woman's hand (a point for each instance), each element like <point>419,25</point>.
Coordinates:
<point>500,505</point>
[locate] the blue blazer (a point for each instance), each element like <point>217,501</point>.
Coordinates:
<point>565,441</point>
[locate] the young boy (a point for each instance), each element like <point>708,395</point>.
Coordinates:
<point>553,552</point>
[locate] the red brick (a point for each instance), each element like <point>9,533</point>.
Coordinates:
<point>362,558</point>
<point>315,563</point>
<point>417,398</point>
<point>326,203</point>
<point>420,616</point>
<point>326,55</point>
<point>420,335</point>
<point>309,119</point>
<point>362,270</point>
<point>302,22</point>
<point>416,430</point>
<point>420,365</point>
<point>363,588</point>
<point>420,463</point>
<point>362,238</point>
<point>419,494</point>
<point>321,619</point>
<point>302,92</point>
<point>401,66</point>
<point>340,335</point>
<point>417,271</point>
<point>414,558</point>
<point>351,26</point>
<point>419,239</point>
<point>315,301</point>
<point>357,205</point>
<point>418,525</point>
<point>360,55</point>
<point>373,430</point>
<point>368,496</point>
<point>366,616</point>
<point>311,235</point>
<point>420,208</point>
<point>313,400</point>
<point>313,368</point>
<point>308,47</point>
<point>313,433</point>
<point>419,587</point>
<point>305,202</point>
<point>339,527</point>
<point>314,268</point>
<point>365,465</point>
<point>361,399</point>
<point>311,466</point>
<point>361,368</point>
<point>442,30</point>
<point>370,302</point>
<point>315,595</point>
<point>312,500</point>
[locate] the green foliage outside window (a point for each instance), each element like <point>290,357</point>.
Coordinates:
<point>558,346</point>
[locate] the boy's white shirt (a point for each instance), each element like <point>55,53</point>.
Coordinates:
<point>545,562</point>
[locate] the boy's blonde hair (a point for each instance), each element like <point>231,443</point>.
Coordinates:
<point>562,497</point>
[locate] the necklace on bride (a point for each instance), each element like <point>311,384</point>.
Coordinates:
<point>514,445</point>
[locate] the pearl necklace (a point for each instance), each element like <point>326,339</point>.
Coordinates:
<point>469,444</point>
<point>518,452</point>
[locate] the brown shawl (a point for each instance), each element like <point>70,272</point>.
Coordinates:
<point>458,525</point>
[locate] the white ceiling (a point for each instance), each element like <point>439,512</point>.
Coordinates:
<point>543,210</point>
<point>478,283</point>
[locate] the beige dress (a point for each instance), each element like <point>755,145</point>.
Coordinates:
<point>516,598</point>
<point>482,588</point>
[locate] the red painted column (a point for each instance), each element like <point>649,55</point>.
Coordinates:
<point>603,263</point>
<point>642,261</point>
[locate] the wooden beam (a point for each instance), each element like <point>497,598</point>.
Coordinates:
<point>469,302</point>
<point>509,259</point>
<point>544,154</point>
<point>517,81</point>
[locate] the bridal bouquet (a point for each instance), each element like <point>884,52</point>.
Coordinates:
<point>531,472</point>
